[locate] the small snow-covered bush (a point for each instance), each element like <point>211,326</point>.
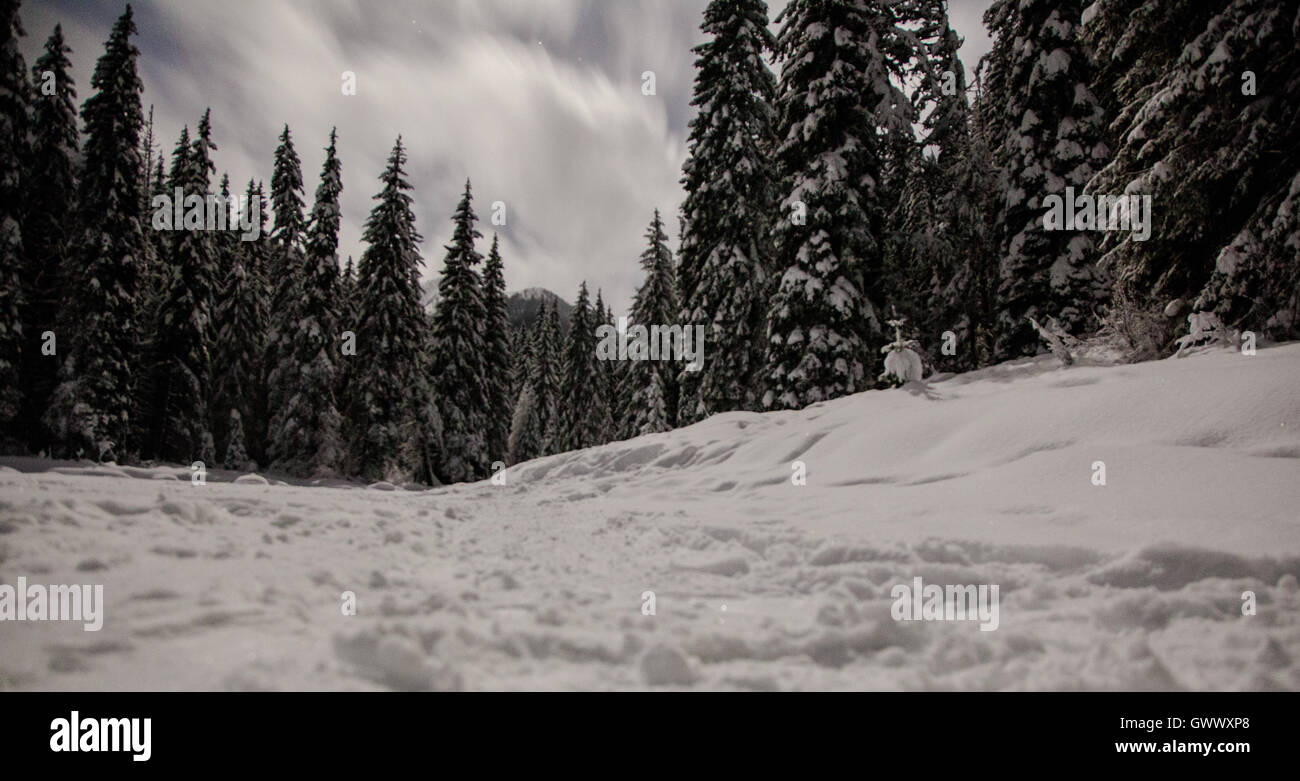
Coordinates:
<point>902,358</point>
<point>1204,328</point>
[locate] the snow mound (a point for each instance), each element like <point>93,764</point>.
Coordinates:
<point>749,551</point>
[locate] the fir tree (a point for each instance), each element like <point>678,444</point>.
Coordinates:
<point>835,96</point>
<point>458,353</point>
<point>526,432</point>
<point>608,375</point>
<point>1206,125</point>
<point>730,198</point>
<point>651,384</point>
<point>181,370</point>
<point>497,355</point>
<point>92,409</point>
<point>51,194</point>
<point>287,201</point>
<point>390,398</point>
<point>547,375</point>
<point>16,341</point>
<point>584,420</point>
<point>241,325</point>
<point>1053,140</point>
<point>304,428</point>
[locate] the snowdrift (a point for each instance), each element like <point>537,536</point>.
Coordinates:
<point>756,582</point>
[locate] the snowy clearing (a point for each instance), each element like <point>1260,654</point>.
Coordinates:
<point>984,478</point>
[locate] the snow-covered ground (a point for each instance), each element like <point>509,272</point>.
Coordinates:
<point>984,478</point>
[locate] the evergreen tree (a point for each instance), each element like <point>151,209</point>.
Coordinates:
<point>180,365</point>
<point>730,197</point>
<point>835,96</point>
<point>50,194</point>
<point>241,325</point>
<point>608,376</point>
<point>1206,124</point>
<point>458,353</point>
<point>968,301</point>
<point>497,355</point>
<point>1053,140</point>
<point>304,428</point>
<point>390,398</point>
<point>526,432</point>
<point>584,420</point>
<point>16,341</point>
<point>235,455</point>
<point>547,375</point>
<point>651,384</point>
<point>290,224</point>
<point>92,410</point>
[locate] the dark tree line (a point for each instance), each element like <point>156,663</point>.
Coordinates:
<point>868,181</point>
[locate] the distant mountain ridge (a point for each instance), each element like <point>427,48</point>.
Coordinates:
<point>522,306</point>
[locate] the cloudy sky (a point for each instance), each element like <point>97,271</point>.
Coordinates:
<point>539,102</point>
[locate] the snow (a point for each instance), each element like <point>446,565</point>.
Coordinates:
<point>759,583</point>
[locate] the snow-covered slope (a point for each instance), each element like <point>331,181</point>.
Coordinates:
<point>984,478</point>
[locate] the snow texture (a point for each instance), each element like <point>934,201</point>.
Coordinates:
<point>982,478</point>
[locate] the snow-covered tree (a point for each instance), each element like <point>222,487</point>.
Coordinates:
<point>584,420</point>
<point>50,195</point>
<point>16,341</point>
<point>93,407</point>
<point>287,202</point>
<point>497,362</point>
<point>547,376</point>
<point>835,97</point>
<point>526,431</point>
<point>1205,122</point>
<point>241,327</point>
<point>609,374</point>
<point>304,436</point>
<point>459,355</point>
<point>1040,83</point>
<point>651,385</point>
<point>730,200</point>
<point>902,362</point>
<point>390,392</point>
<point>180,369</point>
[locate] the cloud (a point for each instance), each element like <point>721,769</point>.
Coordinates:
<point>538,102</point>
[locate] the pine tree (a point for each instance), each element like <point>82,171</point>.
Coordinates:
<point>289,225</point>
<point>497,355</point>
<point>1053,140</point>
<point>285,268</point>
<point>458,353</point>
<point>730,198</point>
<point>92,409</point>
<point>17,342</point>
<point>241,325</point>
<point>390,394</point>
<point>608,376</point>
<point>180,365</point>
<point>303,433</point>
<point>51,194</point>
<point>547,375</point>
<point>236,454</point>
<point>526,432</point>
<point>1205,124</point>
<point>835,95</point>
<point>968,302</point>
<point>651,384</point>
<point>584,420</point>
